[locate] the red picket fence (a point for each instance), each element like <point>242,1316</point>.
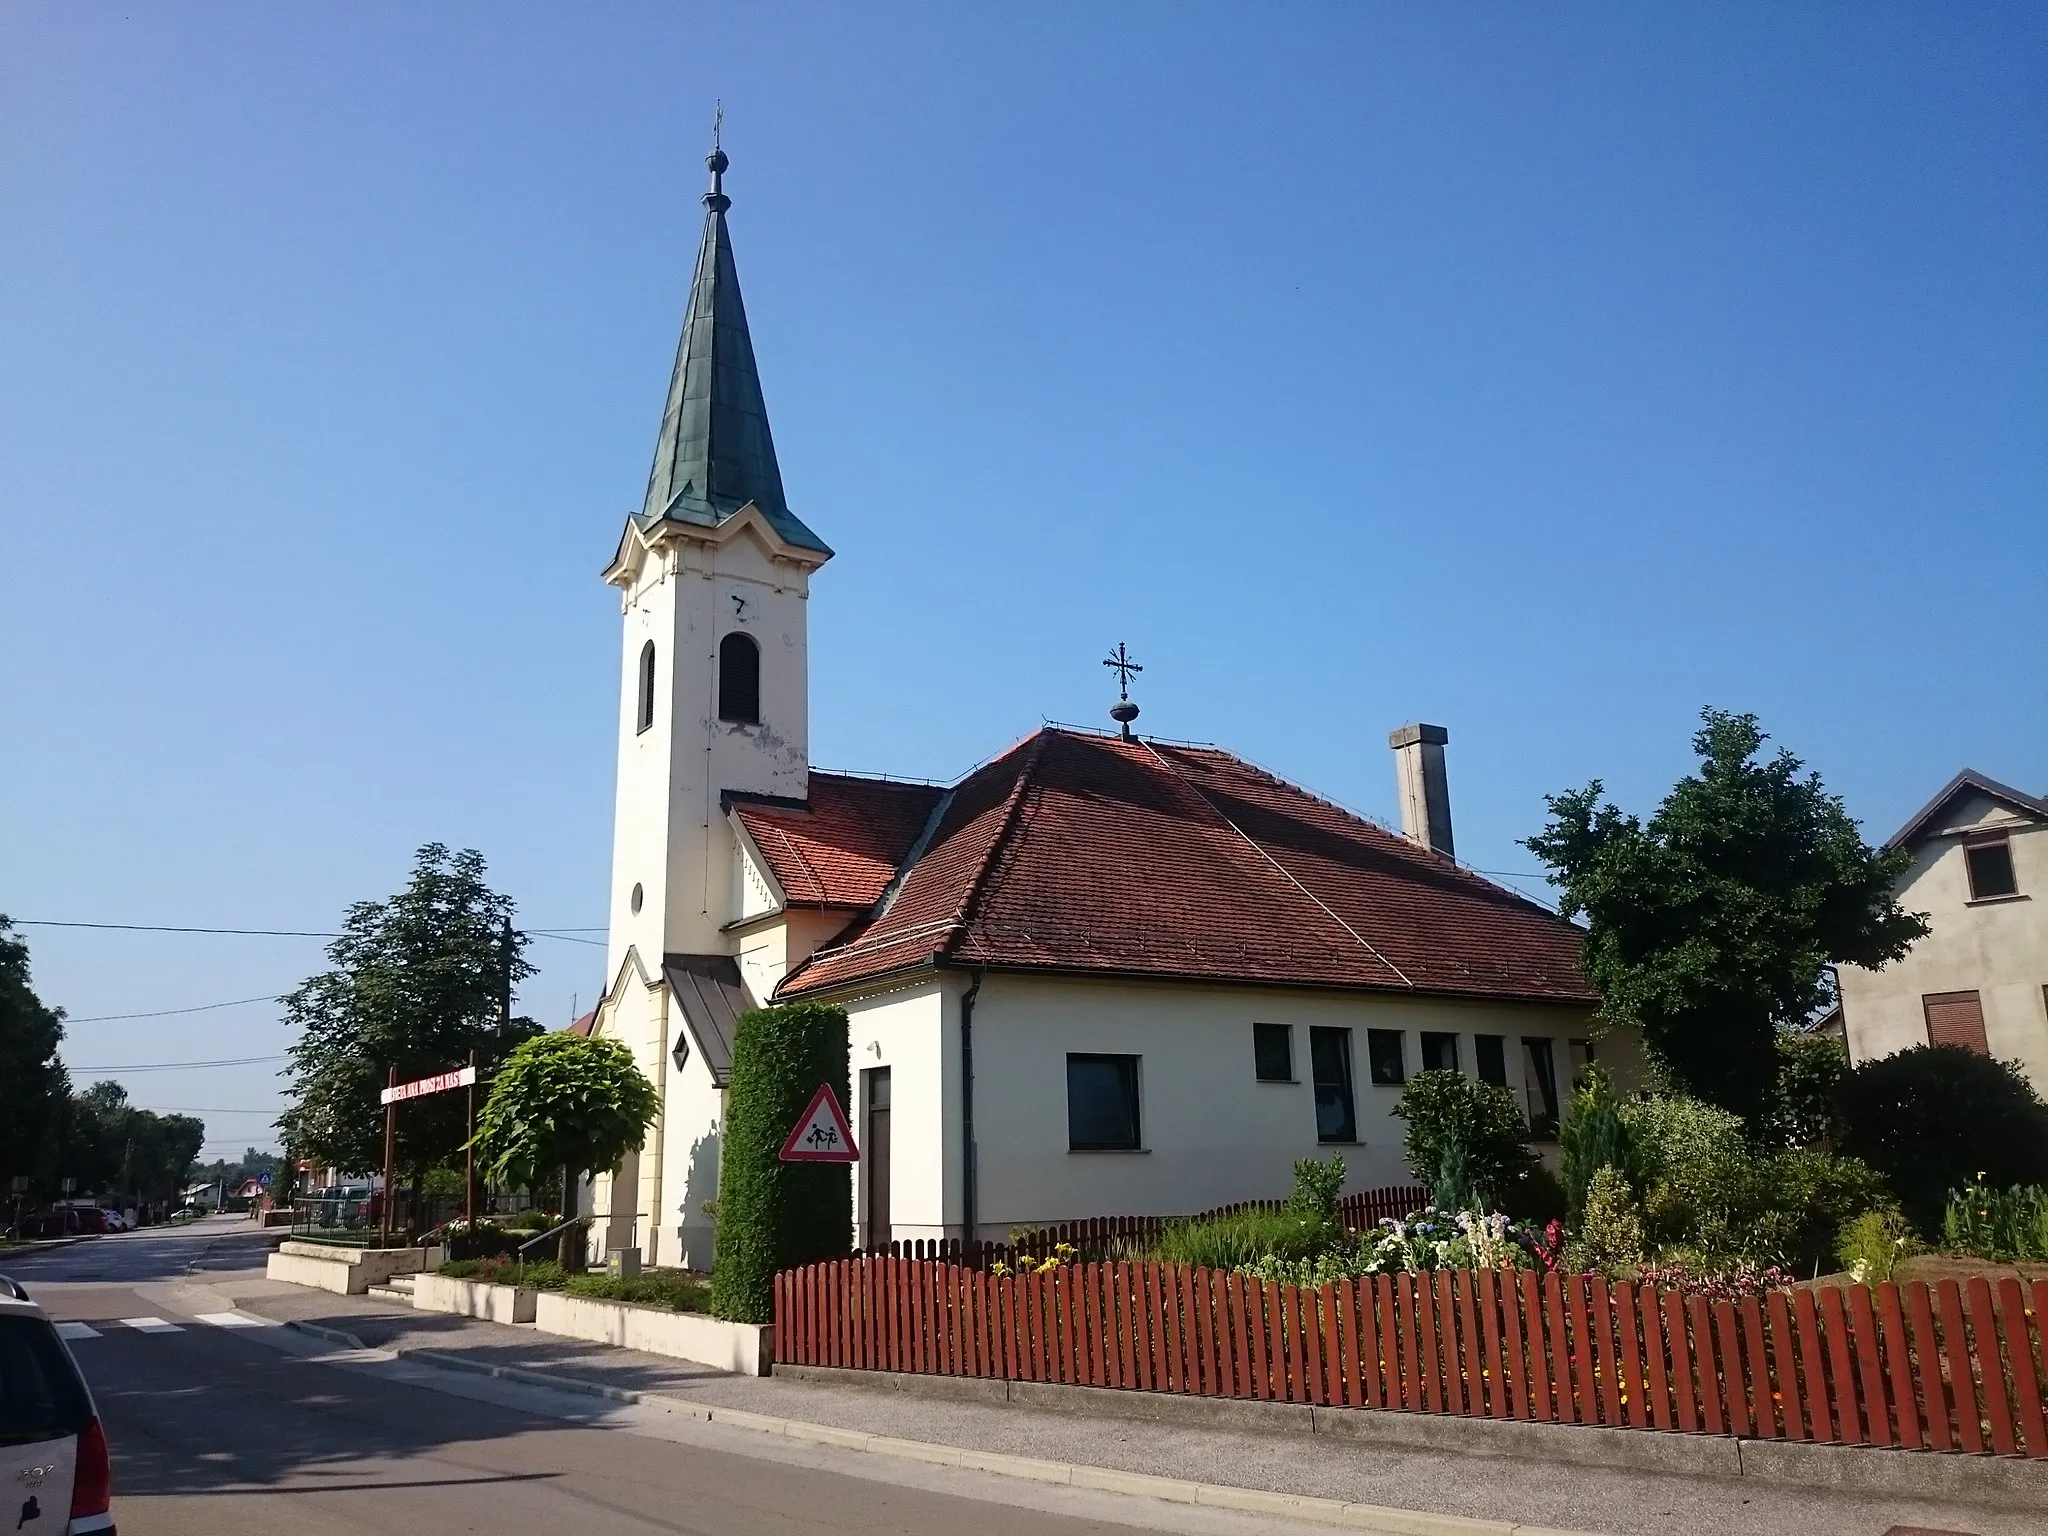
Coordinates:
<point>1101,1238</point>
<point>1947,1368</point>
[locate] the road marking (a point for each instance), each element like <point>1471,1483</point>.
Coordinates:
<point>76,1331</point>
<point>150,1325</point>
<point>235,1320</point>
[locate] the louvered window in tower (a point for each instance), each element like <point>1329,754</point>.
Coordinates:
<point>739,679</point>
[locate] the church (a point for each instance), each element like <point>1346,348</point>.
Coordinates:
<point>1102,974</point>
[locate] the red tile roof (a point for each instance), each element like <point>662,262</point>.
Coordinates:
<point>1084,853</point>
<point>843,848</point>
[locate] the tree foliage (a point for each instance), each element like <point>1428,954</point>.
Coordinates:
<point>34,1089</point>
<point>1806,1108</point>
<point>772,1214</point>
<point>564,1101</point>
<point>1472,1129</point>
<point>111,1148</point>
<point>1594,1136</point>
<point>1940,1117</point>
<point>1712,924</point>
<point>417,983</point>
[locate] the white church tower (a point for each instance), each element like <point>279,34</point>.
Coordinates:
<point>713,574</point>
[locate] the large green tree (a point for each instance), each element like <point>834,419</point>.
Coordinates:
<point>34,1090</point>
<point>1713,923</point>
<point>416,983</point>
<point>110,1148</point>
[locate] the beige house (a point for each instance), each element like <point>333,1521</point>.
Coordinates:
<point>1980,977</point>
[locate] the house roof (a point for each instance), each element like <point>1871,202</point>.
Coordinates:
<point>712,996</point>
<point>1078,852</point>
<point>715,454</point>
<point>1968,779</point>
<point>842,847</point>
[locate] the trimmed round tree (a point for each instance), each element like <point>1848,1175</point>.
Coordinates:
<point>564,1101</point>
<point>774,1215</point>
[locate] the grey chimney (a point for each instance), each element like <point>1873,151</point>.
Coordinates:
<point>1424,787</point>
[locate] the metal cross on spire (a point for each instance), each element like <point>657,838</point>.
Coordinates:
<point>717,124</point>
<point>1123,711</point>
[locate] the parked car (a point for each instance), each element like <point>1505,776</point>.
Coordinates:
<point>53,1451</point>
<point>64,1221</point>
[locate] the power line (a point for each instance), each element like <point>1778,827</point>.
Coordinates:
<point>273,933</point>
<point>164,1013</point>
<point>173,1066</point>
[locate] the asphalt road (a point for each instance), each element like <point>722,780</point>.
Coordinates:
<point>218,1430</point>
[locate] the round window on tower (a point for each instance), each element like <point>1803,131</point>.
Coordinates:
<point>638,897</point>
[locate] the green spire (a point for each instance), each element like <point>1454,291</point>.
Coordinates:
<point>715,453</point>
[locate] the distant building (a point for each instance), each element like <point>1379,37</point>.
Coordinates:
<point>1980,977</point>
<point>1101,974</point>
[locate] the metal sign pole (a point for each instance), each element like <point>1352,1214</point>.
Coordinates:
<point>390,1155</point>
<point>469,1154</point>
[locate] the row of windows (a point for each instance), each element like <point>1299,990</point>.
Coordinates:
<point>1102,1089</point>
<point>739,682</point>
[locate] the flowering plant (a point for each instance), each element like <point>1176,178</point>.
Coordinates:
<point>1432,1238</point>
<point>1742,1279</point>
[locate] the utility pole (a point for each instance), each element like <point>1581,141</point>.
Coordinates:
<point>390,1157</point>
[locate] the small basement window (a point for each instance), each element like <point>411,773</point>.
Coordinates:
<point>1273,1052</point>
<point>1439,1052</point>
<point>1990,865</point>
<point>1383,1051</point>
<point>1490,1054</point>
<point>1102,1103</point>
<point>1329,1058</point>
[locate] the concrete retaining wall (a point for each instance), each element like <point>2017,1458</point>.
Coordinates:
<point>346,1271</point>
<point>473,1298</point>
<point>743,1347</point>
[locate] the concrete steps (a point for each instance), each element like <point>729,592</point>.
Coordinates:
<point>398,1288</point>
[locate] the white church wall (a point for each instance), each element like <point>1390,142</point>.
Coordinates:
<point>908,1031</point>
<point>693,1122</point>
<point>623,1202</point>
<point>1211,1132</point>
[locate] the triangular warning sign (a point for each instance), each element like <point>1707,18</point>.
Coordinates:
<point>822,1135</point>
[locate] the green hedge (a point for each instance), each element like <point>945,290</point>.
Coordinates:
<point>773,1215</point>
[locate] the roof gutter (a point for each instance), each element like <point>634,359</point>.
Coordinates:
<point>969,1194</point>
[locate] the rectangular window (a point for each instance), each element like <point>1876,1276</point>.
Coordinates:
<point>1491,1053</point>
<point>1383,1050</point>
<point>1581,1057</point>
<point>1102,1103</point>
<point>1329,1055</point>
<point>1273,1052</point>
<point>1539,1085</point>
<point>1990,864</point>
<point>1439,1052</point>
<point>1955,1018</point>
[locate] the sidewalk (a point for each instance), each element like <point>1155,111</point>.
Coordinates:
<point>1625,1503</point>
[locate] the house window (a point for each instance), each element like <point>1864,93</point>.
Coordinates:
<point>1329,1057</point>
<point>1539,1086</point>
<point>1273,1052</point>
<point>1491,1052</point>
<point>1955,1018</point>
<point>1102,1103</point>
<point>1990,865</point>
<point>1439,1052</point>
<point>1383,1051</point>
<point>644,713</point>
<point>739,679</point>
<point>1581,1056</point>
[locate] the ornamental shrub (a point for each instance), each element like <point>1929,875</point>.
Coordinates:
<point>1610,1236</point>
<point>1235,1242</point>
<point>774,1215</point>
<point>1871,1246</point>
<point>1806,1106</point>
<point>1593,1136</point>
<point>2000,1224</point>
<point>1317,1188</point>
<point>1441,1106</point>
<point>1939,1117</point>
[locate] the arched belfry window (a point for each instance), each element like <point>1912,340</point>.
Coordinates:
<point>739,679</point>
<point>644,714</point>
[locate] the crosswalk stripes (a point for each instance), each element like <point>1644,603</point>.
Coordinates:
<point>77,1330</point>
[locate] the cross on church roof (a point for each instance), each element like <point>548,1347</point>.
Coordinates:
<point>1123,711</point>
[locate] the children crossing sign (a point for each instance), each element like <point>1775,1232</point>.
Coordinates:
<point>822,1135</point>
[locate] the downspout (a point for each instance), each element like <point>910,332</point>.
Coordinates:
<point>969,1204</point>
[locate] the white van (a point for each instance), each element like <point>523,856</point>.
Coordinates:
<point>55,1476</point>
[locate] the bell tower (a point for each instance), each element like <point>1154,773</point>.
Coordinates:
<point>713,574</point>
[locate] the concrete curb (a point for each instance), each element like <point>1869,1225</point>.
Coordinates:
<point>1375,1518</point>
<point>1999,1481</point>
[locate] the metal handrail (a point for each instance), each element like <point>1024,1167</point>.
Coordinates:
<point>556,1230</point>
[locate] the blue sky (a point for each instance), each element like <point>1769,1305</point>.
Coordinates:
<point>1546,372</point>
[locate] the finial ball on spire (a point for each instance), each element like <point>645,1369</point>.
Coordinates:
<point>717,161</point>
